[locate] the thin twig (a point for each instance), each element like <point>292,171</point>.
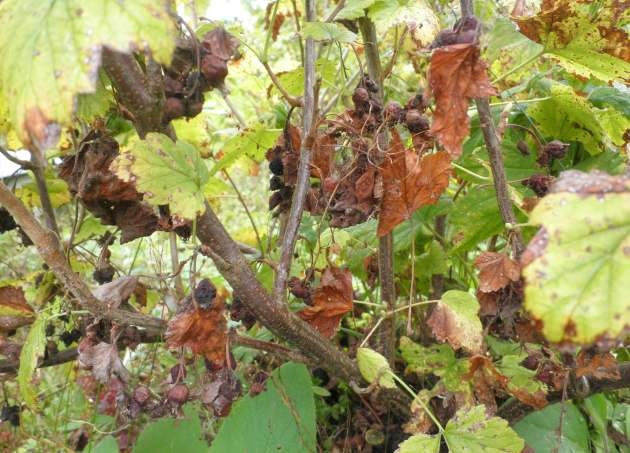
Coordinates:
<point>38,163</point>
<point>22,163</point>
<point>175,265</point>
<point>304,168</point>
<point>225,93</point>
<point>386,341</point>
<point>292,101</point>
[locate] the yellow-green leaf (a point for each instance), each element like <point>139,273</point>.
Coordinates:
<point>577,267</point>
<point>374,368</point>
<point>50,51</point>
<point>166,172</point>
<point>32,350</point>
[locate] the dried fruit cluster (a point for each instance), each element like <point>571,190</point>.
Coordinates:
<point>196,67</point>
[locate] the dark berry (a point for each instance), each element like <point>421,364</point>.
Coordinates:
<point>205,292</point>
<point>178,394</point>
<point>276,166</point>
<point>276,183</point>
<point>104,275</point>
<point>416,122</point>
<point>7,223</point>
<point>539,184</point>
<point>173,108</point>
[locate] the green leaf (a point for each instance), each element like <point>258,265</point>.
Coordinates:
<point>420,443</point>
<point>374,368</point>
<point>470,430</point>
<point>520,378</point>
<point>328,31</point>
<point>354,9</point>
<point>107,444</point>
<point>171,435</point>
<point>293,81</point>
<point>475,217</point>
<point>569,117</point>
<point>577,268</point>
<point>252,143</point>
<point>166,172</point>
<point>51,51</point>
<point>541,429</point>
<point>455,320</point>
<point>505,43</point>
<point>280,419</point>
<point>586,38</point>
<point>33,349</point>
<point>439,360</point>
<point>603,97</point>
<point>417,15</point>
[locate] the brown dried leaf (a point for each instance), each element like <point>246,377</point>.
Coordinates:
<point>496,271</point>
<point>14,311</point>
<point>103,360</point>
<point>116,292</point>
<point>323,152</point>
<point>204,330</point>
<point>456,75</point>
<point>331,300</point>
<point>599,366</point>
<point>409,182</point>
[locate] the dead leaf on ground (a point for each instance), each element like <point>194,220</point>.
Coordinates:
<point>203,329</point>
<point>599,366</point>
<point>332,299</point>
<point>496,271</point>
<point>456,75</point>
<point>409,182</point>
<point>14,311</point>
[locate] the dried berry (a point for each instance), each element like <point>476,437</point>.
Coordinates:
<point>276,166</point>
<point>523,148</point>
<point>539,184</point>
<point>178,394</point>
<point>50,330</point>
<point>205,292</point>
<point>141,395</point>
<point>416,122</point>
<point>104,274</point>
<point>394,113</point>
<point>194,108</point>
<point>69,337</point>
<point>11,414</point>
<point>178,372</point>
<point>553,150</point>
<point>276,183</point>
<point>240,312</point>
<point>300,289</point>
<point>7,223</point>
<point>361,99</point>
<point>274,200</point>
<point>173,108</point>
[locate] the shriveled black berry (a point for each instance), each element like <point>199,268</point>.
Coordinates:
<point>205,292</point>
<point>539,184</point>
<point>416,122</point>
<point>276,183</point>
<point>11,414</point>
<point>104,274</point>
<point>276,166</point>
<point>69,337</point>
<point>7,223</point>
<point>50,330</point>
<point>274,200</point>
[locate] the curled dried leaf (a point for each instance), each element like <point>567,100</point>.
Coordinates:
<point>496,271</point>
<point>332,299</point>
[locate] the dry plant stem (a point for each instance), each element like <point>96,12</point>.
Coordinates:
<point>134,90</point>
<point>498,173</point>
<point>304,168</point>
<point>276,317</point>
<point>496,158</point>
<point>175,266</point>
<point>225,94</point>
<point>385,337</point>
<point>38,163</point>
<point>49,249</point>
<point>273,348</point>
<point>22,163</point>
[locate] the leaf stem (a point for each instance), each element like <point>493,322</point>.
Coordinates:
<point>414,395</point>
<point>518,67</point>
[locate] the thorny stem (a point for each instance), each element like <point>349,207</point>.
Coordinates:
<point>386,338</point>
<point>304,168</point>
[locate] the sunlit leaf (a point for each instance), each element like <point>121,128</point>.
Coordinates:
<point>51,51</point>
<point>587,39</point>
<point>32,350</point>
<point>374,368</point>
<point>578,265</point>
<point>166,172</point>
<point>327,31</point>
<point>420,442</point>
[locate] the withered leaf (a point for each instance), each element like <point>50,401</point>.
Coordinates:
<point>323,152</point>
<point>456,75</point>
<point>409,182</point>
<point>14,311</point>
<point>203,330</point>
<point>116,292</point>
<point>496,271</point>
<point>332,299</point>
<point>454,319</point>
<point>103,360</point>
<point>599,366</point>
